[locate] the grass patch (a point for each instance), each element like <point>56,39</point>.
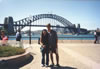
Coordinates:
<point>6,51</point>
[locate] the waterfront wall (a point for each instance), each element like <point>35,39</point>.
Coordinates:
<point>59,41</point>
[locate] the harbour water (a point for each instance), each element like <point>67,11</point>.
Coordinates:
<point>60,37</point>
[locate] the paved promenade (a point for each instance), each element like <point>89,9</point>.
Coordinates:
<point>72,56</point>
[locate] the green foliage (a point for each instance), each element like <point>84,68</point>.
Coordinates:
<point>6,51</point>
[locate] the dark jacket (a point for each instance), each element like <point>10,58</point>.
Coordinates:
<point>44,40</point>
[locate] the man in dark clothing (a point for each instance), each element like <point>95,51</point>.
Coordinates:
<point>98,36</point>
<point>53,41</point>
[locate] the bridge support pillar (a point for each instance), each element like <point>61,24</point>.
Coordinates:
<point>9,26</point>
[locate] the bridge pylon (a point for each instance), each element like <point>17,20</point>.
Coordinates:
<point>8,25</point>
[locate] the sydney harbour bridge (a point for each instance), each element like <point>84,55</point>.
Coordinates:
<point>12,26</point>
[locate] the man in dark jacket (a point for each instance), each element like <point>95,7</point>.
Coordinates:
<point>53,44</point>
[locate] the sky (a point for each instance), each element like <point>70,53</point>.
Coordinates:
<point>86,13</point>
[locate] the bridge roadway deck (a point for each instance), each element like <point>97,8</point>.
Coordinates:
<point>72,56</point>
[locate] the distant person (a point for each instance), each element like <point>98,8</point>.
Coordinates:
<point>38,40</point>
<point>18,36</point>
<point>53,43</point>
<point>95,35</point>
<point>98,35</point>
<point>44,48</point>
<point>0,38</point>
<point>4,38</point>
<point>0,35</point>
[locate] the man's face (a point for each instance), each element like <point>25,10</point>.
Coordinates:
<point>48,27</point>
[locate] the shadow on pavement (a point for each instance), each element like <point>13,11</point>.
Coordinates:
<point>62,67</point>
<point>15,65</point>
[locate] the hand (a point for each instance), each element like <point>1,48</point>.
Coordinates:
<point>43,46</point>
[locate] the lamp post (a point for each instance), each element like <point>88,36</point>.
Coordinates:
<point>30,33</point>
<point>30,20</point>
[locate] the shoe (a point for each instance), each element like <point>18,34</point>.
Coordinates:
<point>57,65</point>
<point>47,65</point>
<point>42,65</point>
<point>51,65</point>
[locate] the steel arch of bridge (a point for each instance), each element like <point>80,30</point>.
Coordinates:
<point>26,21</point>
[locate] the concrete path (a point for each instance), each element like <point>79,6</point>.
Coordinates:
<point>72,56</point>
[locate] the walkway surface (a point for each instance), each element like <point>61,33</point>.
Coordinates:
<point>72,56</point>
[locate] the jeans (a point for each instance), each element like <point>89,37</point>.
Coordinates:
<point>44,52</point>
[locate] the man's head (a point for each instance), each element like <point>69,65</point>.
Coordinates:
<point>48,26</point>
